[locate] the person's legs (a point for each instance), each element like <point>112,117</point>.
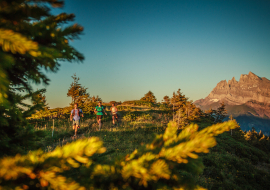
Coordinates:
<point>75,126</point>
<point>113,119</point>
<point>99,121</point>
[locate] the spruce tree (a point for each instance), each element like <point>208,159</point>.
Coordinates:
<point>220,113</point>
<point>184,110</point>
<point>166,100</point>
<point>79,95</point>
<point>32,40</point>
<point>39,98</point>
<point>149,97</point>
<point>178,99</point>
<point>77,92</point>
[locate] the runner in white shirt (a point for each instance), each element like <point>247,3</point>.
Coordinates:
<point>114,113</point>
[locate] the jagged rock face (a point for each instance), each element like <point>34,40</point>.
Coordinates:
<point>248,101</point>
<point>251,95</point>
<point>250,87</point>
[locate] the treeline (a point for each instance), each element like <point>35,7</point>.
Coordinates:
<point>259,140</point>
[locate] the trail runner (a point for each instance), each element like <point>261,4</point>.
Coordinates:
<point>100,111</point>
<point>114,113</point>
<point>75,115</point>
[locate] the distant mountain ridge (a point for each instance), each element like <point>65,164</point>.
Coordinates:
<point>249,97</point>
<point>249,87</point>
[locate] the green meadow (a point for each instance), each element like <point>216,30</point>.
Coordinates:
<point>234,163</point>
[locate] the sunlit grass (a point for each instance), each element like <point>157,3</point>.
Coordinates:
<point>231,164</point>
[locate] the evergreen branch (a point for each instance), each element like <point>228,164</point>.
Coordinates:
<point>59,19</point>
<point>15,42</point>
<point>54,3</point>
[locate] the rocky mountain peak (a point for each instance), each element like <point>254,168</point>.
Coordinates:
<point>249,87</point>
<point>233,81</point>
<point>249,78</point>
<point>250,95</point>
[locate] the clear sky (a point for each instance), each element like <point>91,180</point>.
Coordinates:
<point>131,47</point>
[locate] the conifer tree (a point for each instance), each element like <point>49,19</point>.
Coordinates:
<point>220,113</point>
<point>96,99</point>
<point>79,95</point>
<point>149,97</point>
<point>77,92</point>
<point>166,100</point>
<point>32,39</point>
<point>178,99</point>
<point>39,98</point>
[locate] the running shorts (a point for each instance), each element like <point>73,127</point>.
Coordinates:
<point>99,117</point>
<point>76,122</point>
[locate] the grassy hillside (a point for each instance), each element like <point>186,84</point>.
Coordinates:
<point>232,164</point>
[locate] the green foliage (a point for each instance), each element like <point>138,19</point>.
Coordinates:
<point>135,116</point>
<point>40,99</point>
<point>139,103</point>
<point>258,140</point>
<point>121,108</point>
<point>234,164</point>
<point>186,111</point>
<point>46,35</point>
<point>163,164</point>
<point>145,117</point>
<point>78,93</point>
<point>96,99</point>
<point>166,100</point>
<point>32,40</point>
<point>216,115</point>
<point>14,126</point>
<point>149,97</point>
<point>178,99</point>
<point>129,116</point>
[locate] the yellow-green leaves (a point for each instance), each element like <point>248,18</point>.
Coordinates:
<point>156,166</point>
<point>15,42</point>
<point>194,141</point>
<point>157,160</point>
<point>160,170</point>
<point>47,168</point>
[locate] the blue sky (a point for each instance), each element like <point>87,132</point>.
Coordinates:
<point>131,47</point>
